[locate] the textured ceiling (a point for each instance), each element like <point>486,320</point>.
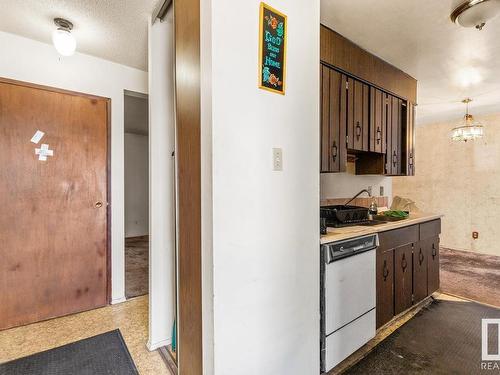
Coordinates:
<point>449,62</point>
<point>115,30</point>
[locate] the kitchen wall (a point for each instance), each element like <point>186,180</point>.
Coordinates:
<point>27,60</point>
<point>459,180</point>
<point>136,185</point>
<point>261,248</point>
<point>346,185</point>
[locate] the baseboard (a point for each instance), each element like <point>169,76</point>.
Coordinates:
<point>118,300</point>
<point>159,344</point>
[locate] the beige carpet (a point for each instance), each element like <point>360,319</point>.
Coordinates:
<point>136,266</point>
<point>470,275</point>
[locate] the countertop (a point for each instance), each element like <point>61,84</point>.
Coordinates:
<point>337,234</point>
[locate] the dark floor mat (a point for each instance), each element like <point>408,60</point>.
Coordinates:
<point>443,338</point>
<point>101,354</point>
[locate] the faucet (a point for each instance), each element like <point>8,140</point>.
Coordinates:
<point>357,195</point>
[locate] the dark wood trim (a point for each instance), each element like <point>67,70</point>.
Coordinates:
<point>188,152</point>
<point>343,54</point>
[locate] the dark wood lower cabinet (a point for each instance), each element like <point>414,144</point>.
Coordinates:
<point>407,268</point>
<point>433,265</point>
<point>403,282</point>
<point>420,271</point>
<point>385,287</point>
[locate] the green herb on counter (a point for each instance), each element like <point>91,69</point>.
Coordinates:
<point>395,213</point>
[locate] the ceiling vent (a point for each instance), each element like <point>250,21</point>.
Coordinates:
<point>475,13</point>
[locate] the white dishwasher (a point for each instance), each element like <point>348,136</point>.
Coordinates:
<point>348,298</point>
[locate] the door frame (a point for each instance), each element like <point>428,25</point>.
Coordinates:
<point>108,161</point>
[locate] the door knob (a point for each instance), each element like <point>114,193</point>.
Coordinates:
<point>98,204</point>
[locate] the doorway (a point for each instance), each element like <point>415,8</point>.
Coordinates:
<point>136,173</point>
<point>54,175</point>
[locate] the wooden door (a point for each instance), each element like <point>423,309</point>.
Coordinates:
<point>433,265</point>
<point>333,120</point>
<point>357,115</point>
<point>420,271</point>
<point>54,253</point>
<point>385,287</point>
<point>403,282</point>
<point>378,120</point>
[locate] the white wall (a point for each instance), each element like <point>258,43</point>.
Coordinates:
<point>136,185</point>
<point>346,185</point>
<point>31,61</point>
<point>265,223</point>
<point>161,185</point>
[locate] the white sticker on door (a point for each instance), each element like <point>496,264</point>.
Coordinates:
<point>37,137</point>
<point>43,152</point>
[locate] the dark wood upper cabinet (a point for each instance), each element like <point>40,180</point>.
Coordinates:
<point>410,139</point>
<point>325,119</point>
<point>378,120</point>
<point>394,133</point>
<point>333,120</point>
<point>377,115</point>
<point>358,105</point>
<point>338,51</point>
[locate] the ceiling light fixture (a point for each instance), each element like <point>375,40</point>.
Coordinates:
<point>468,129</point>
<point>475,13</point>
<point>62,38</point>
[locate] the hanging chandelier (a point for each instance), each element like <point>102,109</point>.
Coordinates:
<point>469,129</point>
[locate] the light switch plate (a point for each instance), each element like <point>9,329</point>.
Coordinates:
<point>277,159</point>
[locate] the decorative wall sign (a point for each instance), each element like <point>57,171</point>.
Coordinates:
<point>272,49</point>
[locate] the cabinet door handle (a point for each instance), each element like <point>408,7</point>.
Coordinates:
<point>385,271</point>
<point>420,257</point>
<point>379,135</point>
<point>334,151</point>
<point>394,158</point>
<point>358,130</point>
<point>434,252</point>
<point>404,263</point>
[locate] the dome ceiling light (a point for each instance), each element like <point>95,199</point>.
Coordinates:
<point>475,13</point>
<point>469,129</point>
<point>62,38</point>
